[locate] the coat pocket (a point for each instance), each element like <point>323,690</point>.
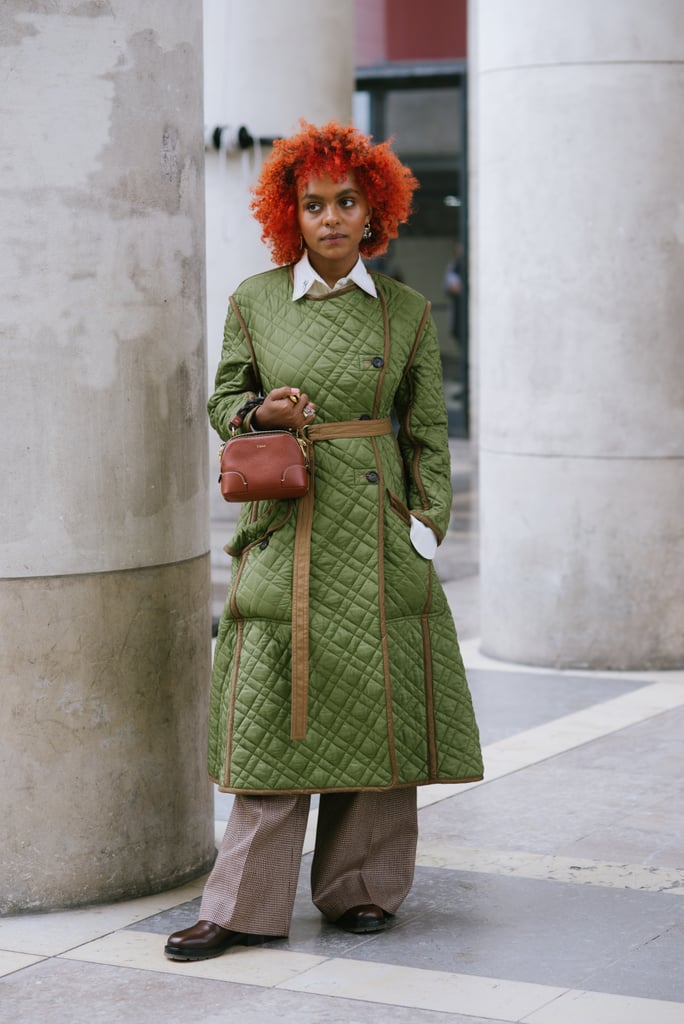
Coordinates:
<point>400,507</point>
<point>270,517</point>
<point>406,574</point>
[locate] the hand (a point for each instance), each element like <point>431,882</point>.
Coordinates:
<point>284,408</point>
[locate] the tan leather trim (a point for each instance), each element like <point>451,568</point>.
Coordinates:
<point>417,449</point>
<point>399,507</point>
<point>300,610</point>
<point>233,694</point>
<point>235,612</point>
<point>429,692</point>
<point>419,334</point>
<point>248,338</point>
<point>428,522</point>
<point>349,428</point>
<point>351,789</point>
<point>301,564</point>
<point>262,537</point>
<point>385,354</point>
<point>383,615</point>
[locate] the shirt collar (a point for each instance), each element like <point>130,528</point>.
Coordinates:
<point>308,282</point>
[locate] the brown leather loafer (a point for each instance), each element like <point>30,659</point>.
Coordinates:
<point>206,939</point>
<point>363,919</point>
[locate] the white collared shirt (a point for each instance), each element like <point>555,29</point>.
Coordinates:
<point>308,282</point>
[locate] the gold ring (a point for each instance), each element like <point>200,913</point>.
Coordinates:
<point>293,398</point>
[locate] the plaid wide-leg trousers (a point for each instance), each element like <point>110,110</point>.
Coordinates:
<point>365,853</point>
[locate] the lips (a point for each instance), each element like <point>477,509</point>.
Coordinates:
<point>333,238</point>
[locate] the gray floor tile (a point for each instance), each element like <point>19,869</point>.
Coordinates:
<point>67,992</point>
<point>655,968</point>
<point>310,932</point>
<point>172,920</point>
<point>617,799</point>
<point>544,932</point>
<point>510,702</point>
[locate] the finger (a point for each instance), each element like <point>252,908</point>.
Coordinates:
<point>280,393</point>
<point>308,408</point>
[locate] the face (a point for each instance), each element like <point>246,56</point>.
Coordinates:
<point>332,216</point>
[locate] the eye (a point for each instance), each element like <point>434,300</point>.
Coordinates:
<point>312,207</point>
<point>347,202</point>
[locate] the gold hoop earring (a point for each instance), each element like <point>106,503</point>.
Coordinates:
<point>301,242</point>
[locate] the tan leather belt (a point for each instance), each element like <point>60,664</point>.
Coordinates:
<point>302,560</point>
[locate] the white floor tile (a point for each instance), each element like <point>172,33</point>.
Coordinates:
<point>52,934</point>
<point>473,657</point>
<point>144,951</point>
<point>601,1008</point>
<point>10,962</point>
<point>521,864</point>
<point>427,990</point>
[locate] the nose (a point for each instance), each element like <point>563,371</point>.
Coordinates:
<point>331,214</point>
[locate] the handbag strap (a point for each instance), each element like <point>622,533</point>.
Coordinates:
<point>248,338</point>
<point>301,564</point>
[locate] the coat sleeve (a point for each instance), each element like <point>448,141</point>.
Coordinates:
<point>423,435</point>
<point>235,378</point>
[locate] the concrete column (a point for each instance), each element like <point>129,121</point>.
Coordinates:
<point>580,307</point>
<point>267,65</point>
<point>104,589</point>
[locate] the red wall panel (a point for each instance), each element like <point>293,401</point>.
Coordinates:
<point>425,29</point>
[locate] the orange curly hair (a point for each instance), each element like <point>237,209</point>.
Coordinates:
<point>335,150</point>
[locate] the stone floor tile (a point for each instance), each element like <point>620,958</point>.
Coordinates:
<point>144,951</point>
<point>434,990</point>
<point>548,933</point>
<point>510,702</point>
<point>54,933</point>
<point>541,932</point>
<point>598,1008</point>
<point>10,962</point>
<point>651,970</point>
<point>523,864</point>
<point>567,805</point>
<point>172,920</point>
<point>309,933</point>
<point>66,992</point>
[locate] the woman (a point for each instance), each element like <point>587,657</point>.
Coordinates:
<point>337,669</point>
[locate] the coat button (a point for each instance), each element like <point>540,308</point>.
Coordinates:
<point>378,362</point>
<point>372,477</point>
<point>363,416</point>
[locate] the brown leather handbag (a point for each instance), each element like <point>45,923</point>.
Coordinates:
<point>264,465</point>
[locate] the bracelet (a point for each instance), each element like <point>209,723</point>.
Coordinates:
<point>252,403</point>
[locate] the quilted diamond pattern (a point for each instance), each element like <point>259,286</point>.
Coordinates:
<point>388,699</point>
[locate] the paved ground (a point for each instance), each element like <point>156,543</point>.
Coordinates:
<point>550,893</point>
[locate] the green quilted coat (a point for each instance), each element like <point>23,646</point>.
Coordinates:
<point>387,703</point>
